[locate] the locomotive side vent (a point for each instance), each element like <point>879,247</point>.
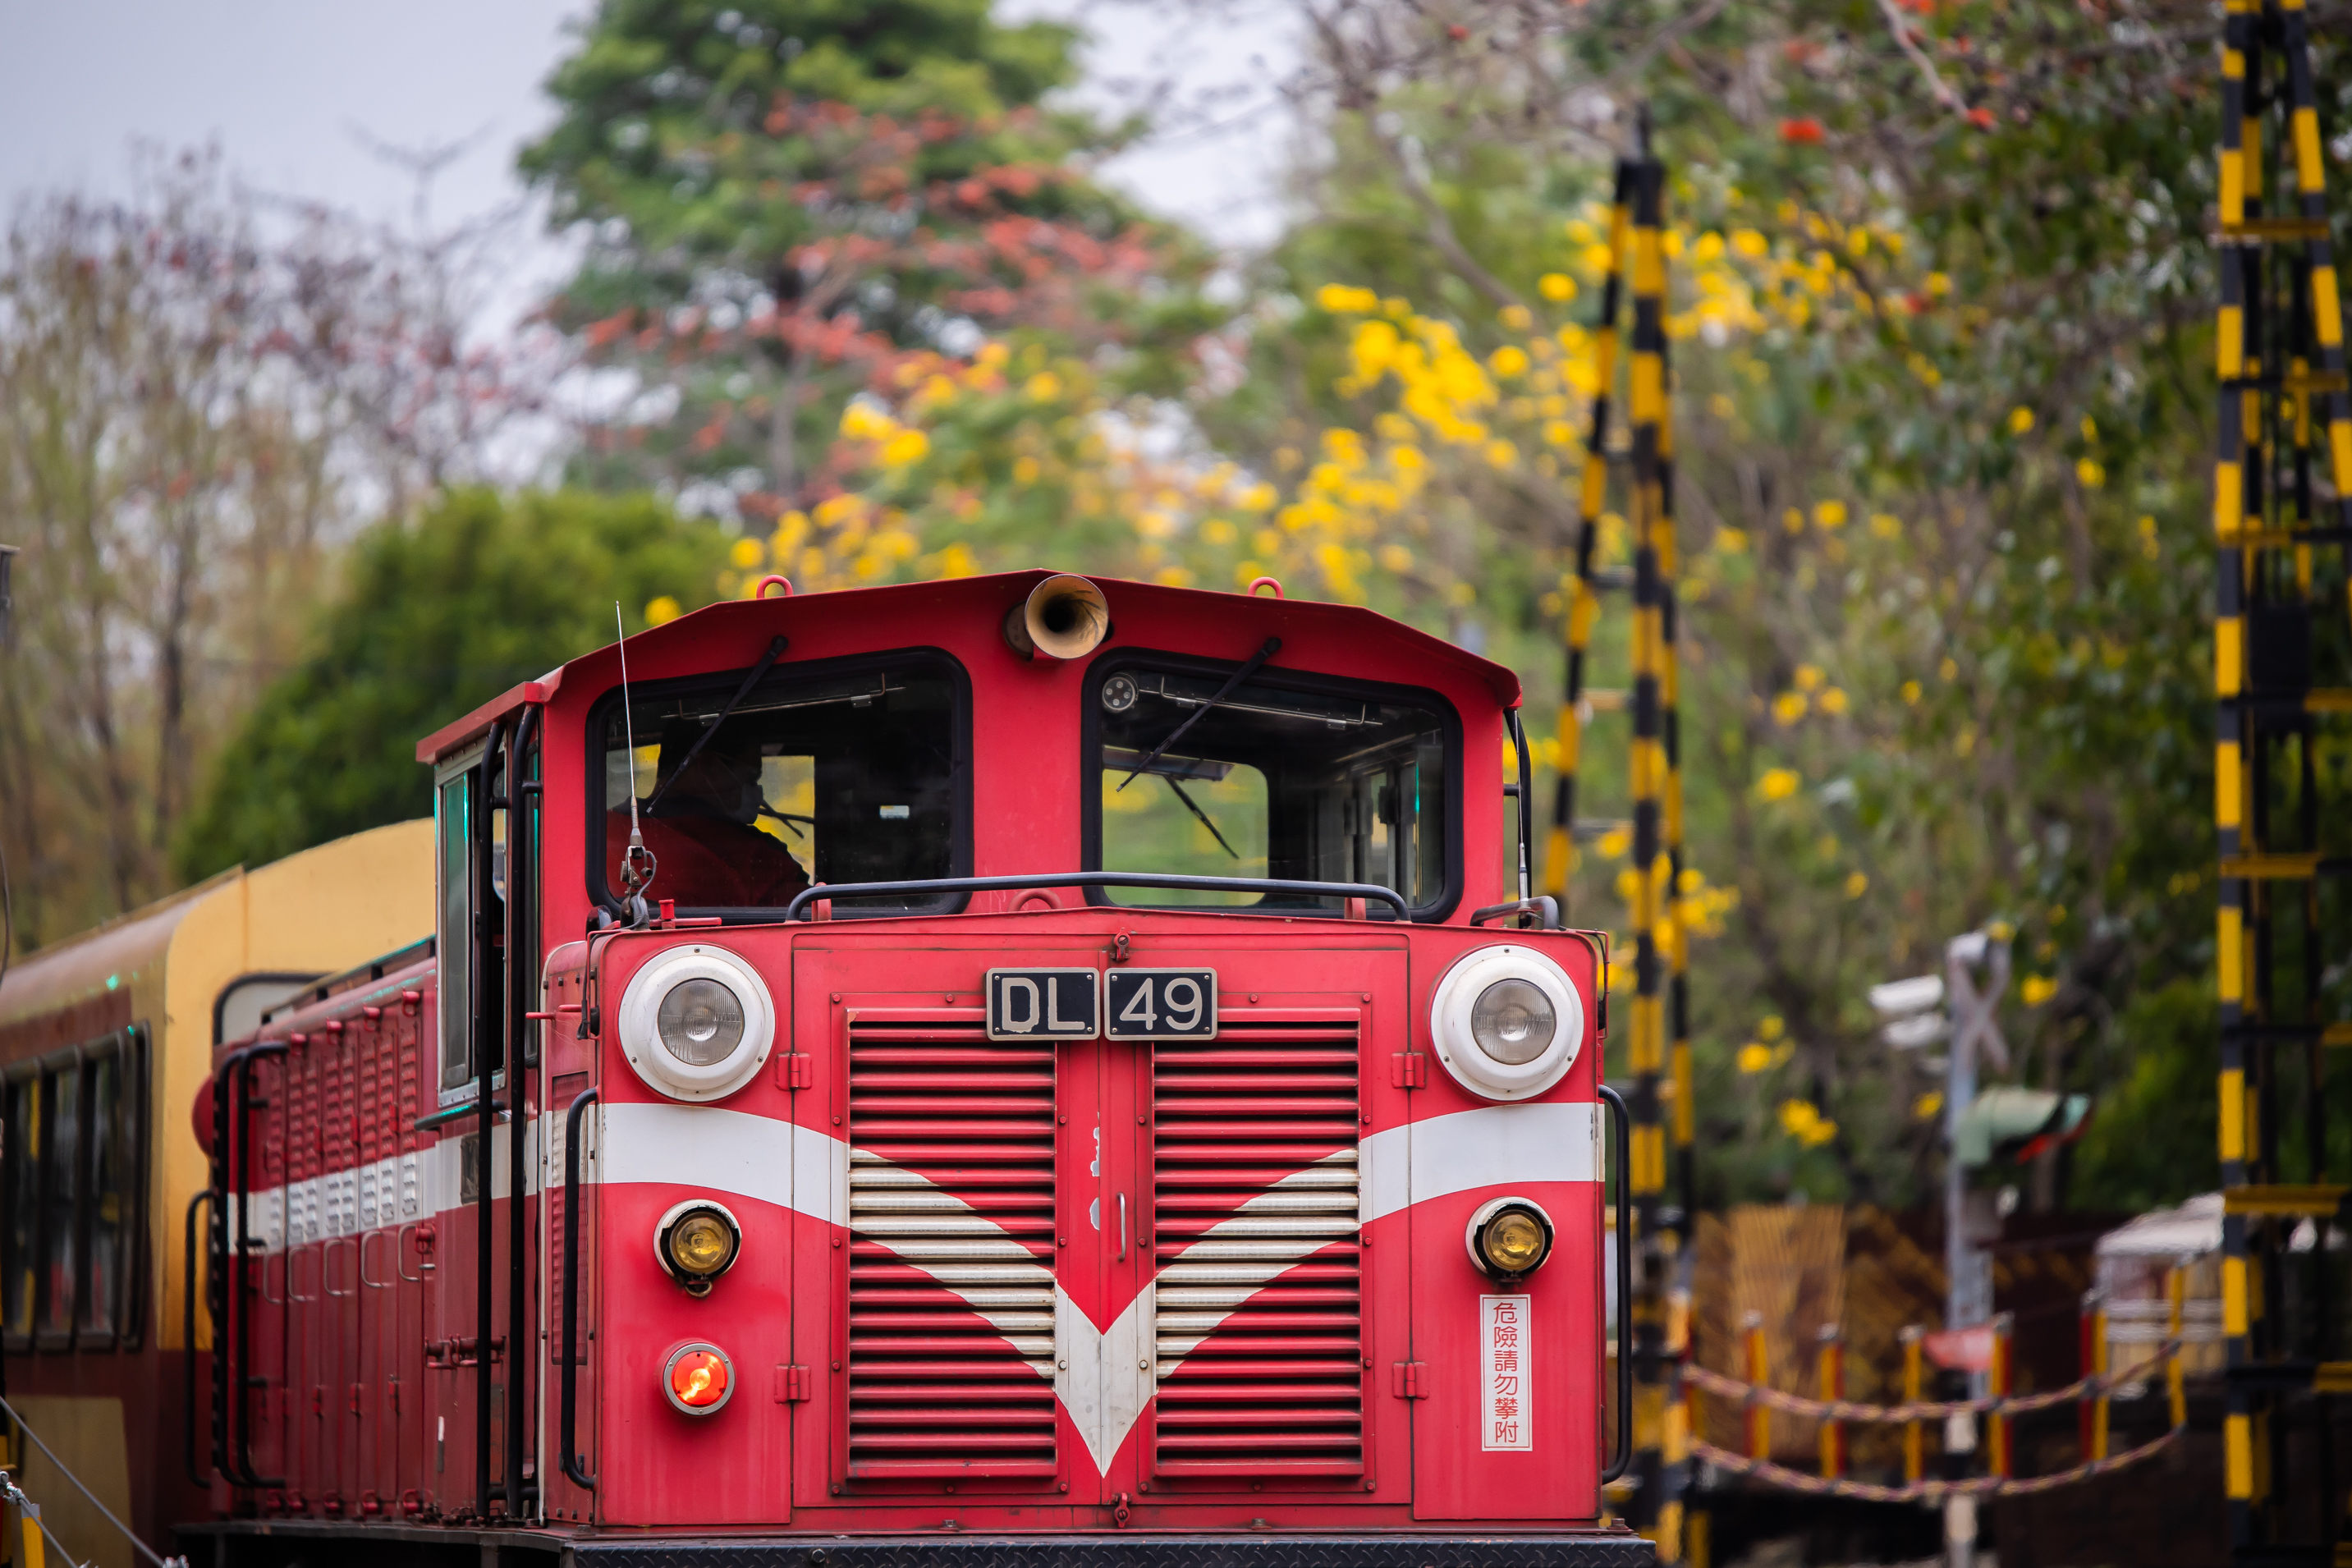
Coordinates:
<point>951,1255</point>
<point>1259,1354</point>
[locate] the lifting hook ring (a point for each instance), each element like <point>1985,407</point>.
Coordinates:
<point>762,591</point>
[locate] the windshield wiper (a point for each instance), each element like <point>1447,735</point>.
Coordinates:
<point>1195,808</point>
<point>1249,667</point>
<point>767,662</point>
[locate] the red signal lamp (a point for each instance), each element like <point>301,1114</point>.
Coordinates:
<point>699,1378</point>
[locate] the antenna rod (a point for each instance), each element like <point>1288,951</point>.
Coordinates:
<point>632,879</point>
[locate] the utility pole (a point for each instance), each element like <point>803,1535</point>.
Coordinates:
<point>1955,1007</point>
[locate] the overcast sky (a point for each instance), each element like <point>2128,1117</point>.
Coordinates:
<point>293,91</point>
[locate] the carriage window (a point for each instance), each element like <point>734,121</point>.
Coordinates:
<point>60,1200</point>
<point>23,1151</point>
<point>1268,782</point>
<point>110,1153</point>
<point>825,776</point>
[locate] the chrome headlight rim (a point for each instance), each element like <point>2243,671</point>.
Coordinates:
<point>1457,998</point>
<point>1485,1214</point>
<point>671,1217</point>
<point>663,1071</point>
<point>677,1353</point>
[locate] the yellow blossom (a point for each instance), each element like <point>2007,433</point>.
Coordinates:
<point>661,611</point>
<point>1559,433</point>
<point>1809,677</point>
<point>1731,541</point>
<point>1395,559</point>
<point>2037,989</point>
<point>1949,669</point>
<point>1830,513</point>
<point>1805,1123</point>
<point>1778,784</point>
<point>907,447</point>
<point>1831,701</point>
<point>1340,300</point>
<point>1509,360</point>
<point>1501,454</point>
<point>1792,521</point>
<point>1750,244</point>
<point>2021,420</point>
<point>1885,525</point>
<point>1042,386</point>
<point>1614,844</point>
<point>1911,693</point>
<point>1939,285</point>
<point>2088,471</point>
<point>1755,1057</point>
<point>1026,470</point>
<point>1928,1105</point>
<point>1856,884</point>
<point>1787,708</point>
<point>1771,1028</point>
<point>746,553</point>
<point>1558,287</point>
<point>1596,258</point>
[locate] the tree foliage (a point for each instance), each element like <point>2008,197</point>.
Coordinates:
<point>434,617</point>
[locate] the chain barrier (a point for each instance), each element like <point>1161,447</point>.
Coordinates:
<point>1786,1479</point>
<point>2095,1386</point>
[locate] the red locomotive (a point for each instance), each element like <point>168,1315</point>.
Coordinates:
<point>1008,1065</point>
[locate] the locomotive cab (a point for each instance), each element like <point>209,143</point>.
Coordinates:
<point>1010,1055</point>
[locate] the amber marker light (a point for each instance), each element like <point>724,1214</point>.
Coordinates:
<point>1509,1238</point>
<point>699,1378</point>
<point>695,1242</point>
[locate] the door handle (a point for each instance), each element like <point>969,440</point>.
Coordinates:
<point>1122,1227</point>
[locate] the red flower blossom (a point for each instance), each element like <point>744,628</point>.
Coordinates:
<point>1803,130</point>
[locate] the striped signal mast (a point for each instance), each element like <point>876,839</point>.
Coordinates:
<point>2283,409</point>
<point>1658,1051</point>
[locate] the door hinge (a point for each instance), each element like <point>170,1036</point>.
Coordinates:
<point>1410,1380</point>
<point>795,1069</point>
<point>793,1383</point>
<point>1409,1070</point>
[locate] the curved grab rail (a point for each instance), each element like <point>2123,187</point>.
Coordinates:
<point>188,1331</point>
<point>836,891</point>
<point>1621,1127</point>
<point>573,1470</point>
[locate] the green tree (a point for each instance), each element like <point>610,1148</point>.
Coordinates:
<point>436,616</point>
<point>782,197</point>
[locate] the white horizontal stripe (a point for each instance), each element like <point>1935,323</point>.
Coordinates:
<point>1554,1141</point>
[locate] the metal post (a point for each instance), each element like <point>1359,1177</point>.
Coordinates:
<point>1759,1419</point>
<point>2094,1363</point>
<point>1833,1386</point>
<point>1915,1436</point>
<point>1997,1454</point>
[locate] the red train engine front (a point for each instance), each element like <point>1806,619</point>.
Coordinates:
<point>1009,1062</point>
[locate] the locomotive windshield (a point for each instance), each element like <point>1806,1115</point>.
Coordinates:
<point>831,774</point>
<point>1326,783</point>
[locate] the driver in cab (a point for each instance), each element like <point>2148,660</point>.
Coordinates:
<point>701,822</point>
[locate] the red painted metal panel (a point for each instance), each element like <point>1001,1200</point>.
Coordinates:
<point>1259,1294</point>
<point>951,1210</point>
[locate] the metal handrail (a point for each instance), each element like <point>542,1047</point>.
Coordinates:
<point>1544,907</point>
<point>1620,1122</point>
<point>1162,880</point>
<point>572,1469</point>
<point>188,1328</point>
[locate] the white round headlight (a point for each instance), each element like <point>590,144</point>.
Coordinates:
<point>697,1023</point>
<point>1508,1023</point>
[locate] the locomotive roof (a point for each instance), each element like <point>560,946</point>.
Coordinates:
<point>740,622</point>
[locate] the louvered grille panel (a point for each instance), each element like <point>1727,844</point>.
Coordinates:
<point>1259,1296</point>
<point>951,1263</point>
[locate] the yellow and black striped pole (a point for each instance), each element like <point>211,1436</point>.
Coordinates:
<point>2279,349</point>
<point>1652,913</point>
<point>1583,598</point>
